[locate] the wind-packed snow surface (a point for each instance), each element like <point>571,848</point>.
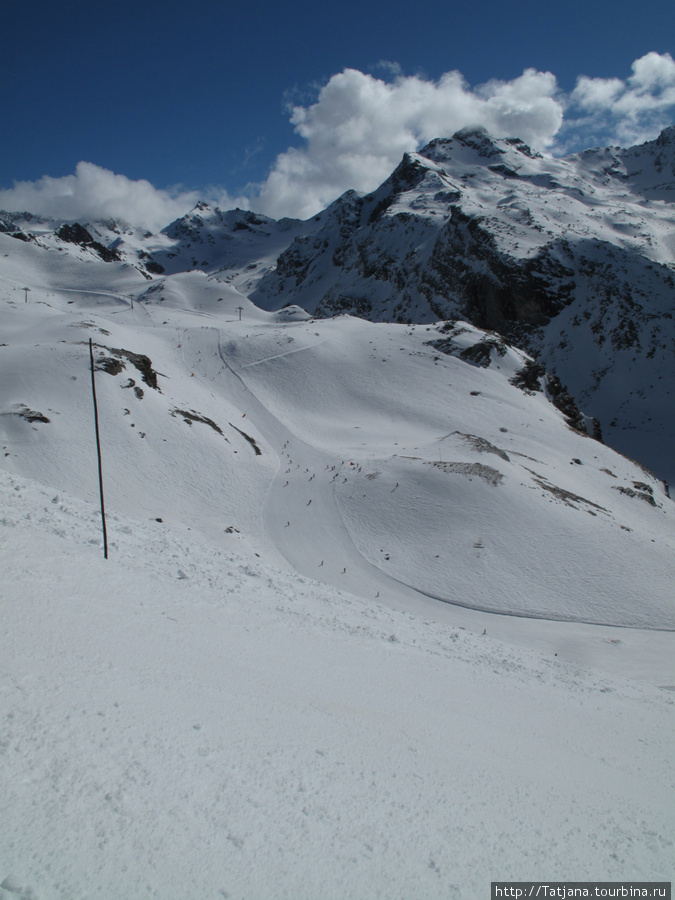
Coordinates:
<point>376,621</point>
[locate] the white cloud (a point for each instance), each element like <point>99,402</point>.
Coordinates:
<point>597,93</point>
<point>96,193</point>
<point>613,111</point>
<point>529,107</point>
<point>654,70</point>
<point>389,67</point>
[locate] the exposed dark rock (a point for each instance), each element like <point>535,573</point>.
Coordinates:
<point>110,364</point>
<point>191,416</point>
<point>78,234</point>
<point>505,171</point>
<point>566,496</point>
<point>486,473</point>
<point>30,415</point>
<point>533,377</point>
<point>639,490</point>
<point>481,445</point>
<point>114,364</point>
<point>528,378</point>
<point>138,391</point>
<point>480,354</point>
<point>252,442</point>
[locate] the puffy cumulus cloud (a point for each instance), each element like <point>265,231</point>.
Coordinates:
<point>528,107</point>
<point>654,70</point>
<point>614,111</point>
<point>360,126</point>
<point>97,193</point>
<point>597,93</point>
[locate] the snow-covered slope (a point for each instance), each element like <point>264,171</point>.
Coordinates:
<point>237,245</point>
<point>187,720</point>
<point>571,259</point>
<point>406,451</point>
<point>370,595</point>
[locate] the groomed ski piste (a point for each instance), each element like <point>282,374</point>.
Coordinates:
<point>375,622</point>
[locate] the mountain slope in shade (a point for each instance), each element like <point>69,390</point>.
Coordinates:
<point>572,259</point>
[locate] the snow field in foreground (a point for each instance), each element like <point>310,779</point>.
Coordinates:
<point>184,721</point>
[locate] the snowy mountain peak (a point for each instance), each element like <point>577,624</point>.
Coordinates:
<point>475,145</point>
<point>467,144</point>
<point>646,170</point>
<point>651,166</point>
<point>478,139</point>
<point>570,258</point>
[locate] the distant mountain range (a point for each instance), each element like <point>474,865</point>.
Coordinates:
<point>571,259</point>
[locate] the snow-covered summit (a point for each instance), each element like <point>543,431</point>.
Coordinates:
<point>646,169</point>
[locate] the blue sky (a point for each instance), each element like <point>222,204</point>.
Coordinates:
<point>196,98</point>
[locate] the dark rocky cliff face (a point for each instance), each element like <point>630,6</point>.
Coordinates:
<point>444,235</point>
<point>78,234</point>
<point>567,259</point>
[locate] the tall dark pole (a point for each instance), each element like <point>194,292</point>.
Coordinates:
<point>98,450</point>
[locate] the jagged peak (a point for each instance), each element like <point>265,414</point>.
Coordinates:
<point>27,217</point>
<point>349,198</point>
<point>194,217</point>
<point>435,146</point>
<point>469,132</point>
<point>474,138</point>
<point>665,140</point>
<point>479,139</point>
<point>16,214</point>
<point>409,171</point>
<point>522,147</point>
